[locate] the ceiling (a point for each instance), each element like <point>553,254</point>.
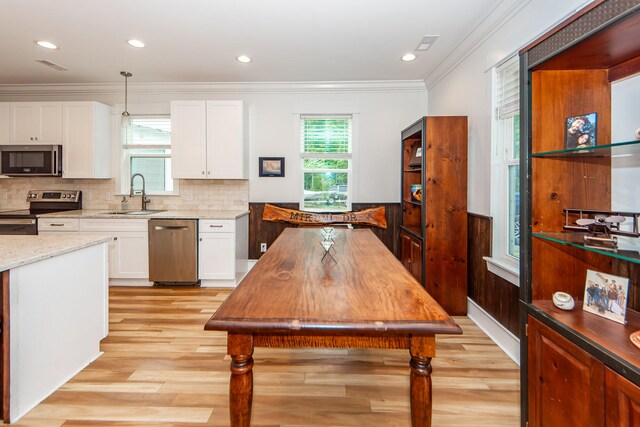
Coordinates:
<point>198,40</point>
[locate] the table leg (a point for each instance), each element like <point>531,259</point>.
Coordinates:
<point>240,348</point>
<point>422,349</point>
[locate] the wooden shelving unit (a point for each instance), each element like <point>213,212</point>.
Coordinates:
<point>433,231</point>
<point>565,74</point>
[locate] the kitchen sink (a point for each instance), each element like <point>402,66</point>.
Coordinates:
<point>147,212</point>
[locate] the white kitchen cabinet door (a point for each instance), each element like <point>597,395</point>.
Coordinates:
<point>36,123</point>
<point>5,122</point>
<point>87,140</point>
<point>226,151</point>
<point>188,140</point>
<point>130,256</point>
<point>217,256</point>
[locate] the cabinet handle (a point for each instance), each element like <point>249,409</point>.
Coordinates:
<point>115,238</point>
<point>201,239</point>
<point>208,172</point>
<point>216,226</point>
<point>31,138</point>
<point>36,138</point>
<point>202,172</point>
<point>56,225</point>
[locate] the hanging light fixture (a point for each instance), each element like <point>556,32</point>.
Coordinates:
<point>125,122</point>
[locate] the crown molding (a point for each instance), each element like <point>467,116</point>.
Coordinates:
<point>493,20</point>
<point>204,88</point>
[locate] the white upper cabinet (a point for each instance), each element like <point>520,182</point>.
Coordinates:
<point>209,140</point>
<point>36,123</point>
<point>86,143</point>
<point>5,122</point>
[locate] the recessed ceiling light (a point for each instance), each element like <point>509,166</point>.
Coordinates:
<point>45,44</point>
<point>135,43</point>
<point>243,58</point>
<point>408,57</point>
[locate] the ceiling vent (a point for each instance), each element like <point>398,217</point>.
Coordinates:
<point>52,65</point>
<point>426,43</point>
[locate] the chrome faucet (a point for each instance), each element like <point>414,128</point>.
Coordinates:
<point>145,200</point>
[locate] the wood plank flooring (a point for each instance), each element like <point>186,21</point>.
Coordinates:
<point>160,368</point>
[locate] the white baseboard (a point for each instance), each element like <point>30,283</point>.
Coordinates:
<point>504,339</point>
<point>130,282</point>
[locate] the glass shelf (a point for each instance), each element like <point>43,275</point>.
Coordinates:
<point>628,148</point>
<point>414,170</point>
<point>412,202</point>
<point>628,247</point>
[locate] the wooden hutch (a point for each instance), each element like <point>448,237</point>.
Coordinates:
<point>574,363</point>
<point>433,232</point>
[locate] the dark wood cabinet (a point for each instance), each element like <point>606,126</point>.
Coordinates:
<point>434,208</point>
<point>622,401</point>
<point>577,368</point>
<point>566,384</point>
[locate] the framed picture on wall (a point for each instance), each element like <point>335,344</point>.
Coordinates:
<point>271,166</point>
<point>581,131</point>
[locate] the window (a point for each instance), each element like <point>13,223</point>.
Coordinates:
<point>326,149</point>
<point>506,169</point>
<point>148,153</point>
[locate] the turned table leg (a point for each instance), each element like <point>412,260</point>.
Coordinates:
<point>240,348</point>
<point>422,349</point>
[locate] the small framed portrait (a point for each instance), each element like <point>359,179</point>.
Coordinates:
<point>271,166</point>
<point>581,131</point>
<point>416,157</point>
<point>606,295</point>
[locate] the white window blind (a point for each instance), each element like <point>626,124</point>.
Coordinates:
<point>508,85</point>
<point>326,134</point>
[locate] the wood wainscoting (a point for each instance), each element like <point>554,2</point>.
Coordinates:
<point>266,232</point>
<point>495,295</point>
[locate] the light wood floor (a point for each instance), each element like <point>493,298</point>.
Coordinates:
<point>160,368</point>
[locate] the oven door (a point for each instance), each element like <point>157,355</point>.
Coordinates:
<point>18,226</point>
<point>31,160</point>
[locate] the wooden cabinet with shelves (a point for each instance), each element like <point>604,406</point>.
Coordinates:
<point>558,82</point>
<point>434,208</point>
<point>209,140</point>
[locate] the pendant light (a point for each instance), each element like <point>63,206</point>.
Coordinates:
<point>125,122</point>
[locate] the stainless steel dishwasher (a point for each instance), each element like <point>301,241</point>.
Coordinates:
<point>173,251</point>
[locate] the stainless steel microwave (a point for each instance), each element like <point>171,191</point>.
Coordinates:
<point>31,160</point>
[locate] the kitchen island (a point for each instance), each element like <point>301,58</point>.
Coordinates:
<point>54,313</point>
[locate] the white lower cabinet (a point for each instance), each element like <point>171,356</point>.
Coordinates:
<point>128,252</point>
<point>57,225</point>
<point>223,251</point>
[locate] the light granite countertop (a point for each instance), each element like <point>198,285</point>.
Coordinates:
<point>16,251</point>
<point>100,213</point>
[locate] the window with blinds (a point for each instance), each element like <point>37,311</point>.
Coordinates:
<point>507,143</point>
<point>147,150</point>
<point>326,149</point>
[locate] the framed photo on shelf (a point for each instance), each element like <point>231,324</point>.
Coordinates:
<point>581,131</point>
<point>271,166</point>
<point>416,157</point>
<point>606,295</point>
<point>416,192</point>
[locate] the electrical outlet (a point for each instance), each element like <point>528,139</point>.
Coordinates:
<point>263,247</point>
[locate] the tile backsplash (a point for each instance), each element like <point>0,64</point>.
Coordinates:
<point>101,194</point>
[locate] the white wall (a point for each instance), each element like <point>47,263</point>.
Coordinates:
<point>383,110</point>
<point>466,89</point>
<point>625,120</point>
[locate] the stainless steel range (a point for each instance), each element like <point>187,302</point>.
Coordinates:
<point>25,221</point>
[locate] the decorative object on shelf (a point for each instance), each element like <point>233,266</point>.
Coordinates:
<point>372,216</point>
<point>563,301</point>
<point>581,131</point>
<point>601,225</point>
<point>416,192</point>
<point>416,157</point>
<point>635,338</point>
<point>271,166</point>
<point>606,295</point>
<point>638,133</point>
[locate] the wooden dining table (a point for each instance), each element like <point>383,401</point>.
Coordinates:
<point>360,296</point>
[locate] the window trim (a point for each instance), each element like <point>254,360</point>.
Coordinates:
<point>350,156</point>
<point>501,262</point>
<point>125,160</point>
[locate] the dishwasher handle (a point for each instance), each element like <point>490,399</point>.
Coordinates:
<point>171,227</point>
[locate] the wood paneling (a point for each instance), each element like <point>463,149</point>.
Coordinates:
<point>566,384</point>
<point>265,231</point>
<point>495,295</point>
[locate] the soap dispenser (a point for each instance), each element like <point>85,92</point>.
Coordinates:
<point>124,203</point>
